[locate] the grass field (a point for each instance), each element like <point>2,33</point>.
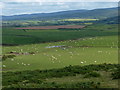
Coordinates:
<point>76,52</point>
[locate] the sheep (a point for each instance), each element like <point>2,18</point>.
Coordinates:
<point>81,62</point>
<point>12,59</point>
<point>4,65</point>
<point>99,51</point>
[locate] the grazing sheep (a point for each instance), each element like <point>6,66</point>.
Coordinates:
<point>54,58</point>
<point>63,48</point>
<point>12,59</point>
<point>82,62</point>
<point>4,65</point>
<point>99,51</point>
<point>21,50</point>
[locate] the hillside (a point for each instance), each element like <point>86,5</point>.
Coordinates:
<point>112,20</point>
<point>96,13</point>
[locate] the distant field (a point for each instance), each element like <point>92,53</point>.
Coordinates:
<point>29,23</point>
<point>80,19</point>
<point>11,36</point>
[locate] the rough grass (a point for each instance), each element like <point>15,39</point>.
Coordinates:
<point>70,76</point>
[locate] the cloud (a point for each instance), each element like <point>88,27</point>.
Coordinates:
<point>60,1</point>
<point>13,8</point>
<point>2,5</point>
<point>65,7</point>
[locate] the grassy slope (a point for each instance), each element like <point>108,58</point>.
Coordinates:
<point>102,49</point>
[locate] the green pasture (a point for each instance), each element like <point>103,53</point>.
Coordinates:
<point>85,51</point>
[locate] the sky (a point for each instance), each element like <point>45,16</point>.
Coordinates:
<point>16,7</point>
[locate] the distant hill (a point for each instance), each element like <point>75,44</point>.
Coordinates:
<point>96,13</point>
<point>112,20</point>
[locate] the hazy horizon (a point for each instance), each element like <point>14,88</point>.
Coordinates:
<point>55,11</point>
<point>19,8</point>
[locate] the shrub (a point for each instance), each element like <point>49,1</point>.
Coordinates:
<point>4,57</point>
<point>92,74</point>
<point>38,76</point>
<point>81,85</point>
<point>35,80</point>
<point>116,74</point>
<point>31,53</point>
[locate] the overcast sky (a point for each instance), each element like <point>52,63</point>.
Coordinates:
<point>16,7</point>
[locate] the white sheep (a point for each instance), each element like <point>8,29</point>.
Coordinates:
<point>82,62</point>
<point>4,65</point>
<point>12,59</point>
